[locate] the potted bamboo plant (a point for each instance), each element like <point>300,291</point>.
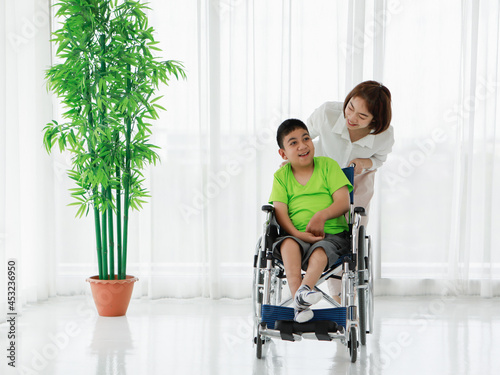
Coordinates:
<point>106,79</point>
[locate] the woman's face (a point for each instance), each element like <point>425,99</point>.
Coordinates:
<point>357,115</point>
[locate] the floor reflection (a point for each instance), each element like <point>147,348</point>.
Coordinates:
<point>205,337</point>
<point>111,341</point>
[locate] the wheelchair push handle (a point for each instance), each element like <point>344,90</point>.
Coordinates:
<point>267,208</point>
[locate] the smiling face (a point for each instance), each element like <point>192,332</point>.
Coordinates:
<point>298,148</point>
<point>357,115</point>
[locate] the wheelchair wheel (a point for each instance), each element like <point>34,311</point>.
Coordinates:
<point>259,347</point>
<point>258,344</point>
<point>258,284</point>
<point>353,344</point>
<point>361,282</point>
<point>369,290</point>
<point>257,295</point>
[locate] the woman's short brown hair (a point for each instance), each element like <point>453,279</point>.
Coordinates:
<point>378,101</point>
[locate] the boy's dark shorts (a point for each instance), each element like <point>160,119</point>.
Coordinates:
<point>335,246</point>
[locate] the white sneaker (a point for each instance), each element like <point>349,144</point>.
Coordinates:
<point>302,316</point>
<point>305,297</point>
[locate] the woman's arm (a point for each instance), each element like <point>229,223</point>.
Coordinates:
<point>380,156</point>
<point>379,159</point>
<point>338,208</point>
<point>361,164</point>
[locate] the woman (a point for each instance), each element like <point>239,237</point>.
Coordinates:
<point>356,132</point>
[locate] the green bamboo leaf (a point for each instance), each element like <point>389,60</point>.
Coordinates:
<point>159,107</point>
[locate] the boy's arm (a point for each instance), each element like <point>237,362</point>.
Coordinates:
<point>281,210</point>
<point>338,208</point>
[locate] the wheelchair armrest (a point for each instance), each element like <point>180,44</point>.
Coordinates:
<point>267,208</point>
<point>360,210</point>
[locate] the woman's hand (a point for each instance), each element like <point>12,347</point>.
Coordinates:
<point>361,165</point>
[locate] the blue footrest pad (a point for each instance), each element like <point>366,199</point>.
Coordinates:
<point>272,313</point>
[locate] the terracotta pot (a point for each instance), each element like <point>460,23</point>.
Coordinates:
<point>111,297</point>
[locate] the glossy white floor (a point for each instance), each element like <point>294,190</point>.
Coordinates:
<point>413,336</point>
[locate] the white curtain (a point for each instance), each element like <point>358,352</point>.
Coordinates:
<point>27,209</point>
<point>251,64</point>
<point>441,63</point>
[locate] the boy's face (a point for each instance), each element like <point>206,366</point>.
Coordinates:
<point>298,148</point>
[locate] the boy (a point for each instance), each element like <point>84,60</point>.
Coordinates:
<point>310,197</point>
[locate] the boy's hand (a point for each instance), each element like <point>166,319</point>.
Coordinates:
<point>309,237</point>
<point>281,210</point>
<point>316,225</point>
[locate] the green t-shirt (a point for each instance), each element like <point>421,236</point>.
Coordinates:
<point>304,201</point>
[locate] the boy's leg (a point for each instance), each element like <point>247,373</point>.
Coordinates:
<point>305,295</point>
<point>315,267</point>
<point>302,289</point>
<point>292,260</point>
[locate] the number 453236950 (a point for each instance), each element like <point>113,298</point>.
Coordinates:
<point>11,285</point>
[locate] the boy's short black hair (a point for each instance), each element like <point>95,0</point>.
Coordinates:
<point>287,127</point>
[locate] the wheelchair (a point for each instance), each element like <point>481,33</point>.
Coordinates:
<point>348,321</point>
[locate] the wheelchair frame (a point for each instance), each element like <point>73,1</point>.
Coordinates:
<point>354,270</point>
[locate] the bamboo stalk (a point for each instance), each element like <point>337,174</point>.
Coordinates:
<point>104,238</point>
<point>126,179</point>
<point>119,223</point>
<point>126,204</point>
<point>95,190</point>
<point>111,248</point>
<point>107,215</point>
<point>126,200</point>
<point>97,223</point>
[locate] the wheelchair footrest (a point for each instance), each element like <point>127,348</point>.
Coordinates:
<point>272,313</point>
<point>320,328</point>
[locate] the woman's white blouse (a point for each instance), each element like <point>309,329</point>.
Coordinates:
<point>329,124</point>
